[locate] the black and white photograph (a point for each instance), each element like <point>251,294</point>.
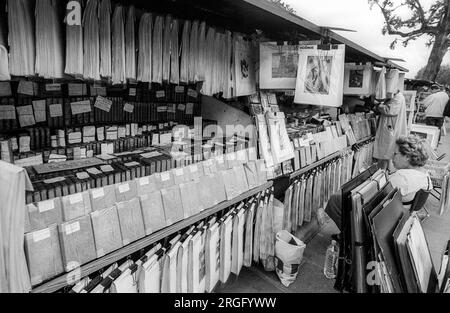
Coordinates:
<point>224,155</point>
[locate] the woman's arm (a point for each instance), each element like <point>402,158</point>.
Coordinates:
<point>384,110</point>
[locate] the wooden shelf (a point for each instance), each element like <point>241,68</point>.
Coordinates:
<point>87,269</point>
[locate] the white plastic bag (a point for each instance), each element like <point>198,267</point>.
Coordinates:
<point>288,256</point>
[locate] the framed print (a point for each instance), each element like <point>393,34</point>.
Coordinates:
<point>357,79</point>
<point>278,66</point>
<point>430,133</point>
<point>410,98</point>
<point>320,78</point>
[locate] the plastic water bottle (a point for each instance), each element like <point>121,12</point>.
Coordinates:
<point>329,269</point>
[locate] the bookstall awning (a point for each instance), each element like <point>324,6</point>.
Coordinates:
<point>247,16</point>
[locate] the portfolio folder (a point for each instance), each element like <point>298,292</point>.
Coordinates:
<point>153,212</point>
<point>343,279</point>
<point>77,243</point>
<point>43,254</point>
<point>384,224</point>
<point>401,253</point>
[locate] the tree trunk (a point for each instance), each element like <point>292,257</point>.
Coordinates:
<point>440,46</point>
<point>437,54</point>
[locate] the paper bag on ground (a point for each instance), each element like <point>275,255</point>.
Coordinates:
<point>288,256</point>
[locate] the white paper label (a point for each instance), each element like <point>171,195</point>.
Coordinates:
<point>103,104</point>
<point>53,87</point>
<point>151,155</point>
<point>131,164</point>
<point>160,94</point>
<point>192,93</point>
<point>181,107</point>
<point>124,188</point>
<point>41,235</point>
<point>179,89</point>
<point>132,92</point>
<point>56,110</point>
<point>107,168</point>
<point>26,117</point>
<point>128,108</point>
<point>26,88</point>
<point>82,175</point>
<point>98,193</point>
<point>179,172</point>
<point>77,198</point>
<point>40,114</point>
<point>190,108</point>
<point>162,109</point>
<point>93,171</point>
<point>165,176</point>
<point>45,206</point>
<point>7,112</point>
<point>72,228</point>
<point>144,181</point>
<point>54,180</point>
<point>81,107</point>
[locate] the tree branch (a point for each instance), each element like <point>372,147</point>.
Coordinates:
<point>425,28</point>
<point>420,11</point>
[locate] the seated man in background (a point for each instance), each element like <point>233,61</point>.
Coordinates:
<point>409,159</point>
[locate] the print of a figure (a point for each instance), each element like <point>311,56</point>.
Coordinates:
<point>318,74</point>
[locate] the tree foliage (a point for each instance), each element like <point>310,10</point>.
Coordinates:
<point>411,19</point>
<point>420,21</point>
<point>283,5</point>
<point>443,77</point>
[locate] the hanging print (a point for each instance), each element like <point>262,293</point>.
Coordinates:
<point>244,67</point>
<point>320,76</point>
<point>279,65</point>
<point>357,79</point>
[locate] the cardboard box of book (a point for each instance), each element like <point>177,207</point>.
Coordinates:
<point>77,243</point>
<point>146,185</point>
<point>173,206</point>
<point>126,191</point>
<point>190,198</point>
<point>103,198</point>
<point>153,212</point>
<point>77,205</point>
<point>131,220</point>
<point>43,254</point>
<point>45,213</point>
<point>107,234</point>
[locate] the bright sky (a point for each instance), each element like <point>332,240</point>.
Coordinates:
<point>356,15</point>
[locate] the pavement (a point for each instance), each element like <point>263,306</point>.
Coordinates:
<point>311,278</point>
